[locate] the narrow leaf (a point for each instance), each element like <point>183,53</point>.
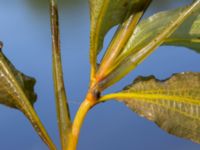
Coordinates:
<point>104,15</point>
<point>63,112</point>
<point>121,37</point>
<point>173,104</point>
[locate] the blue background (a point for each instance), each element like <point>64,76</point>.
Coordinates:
<point>25,31</point>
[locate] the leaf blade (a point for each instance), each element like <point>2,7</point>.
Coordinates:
<point>173,104</point>
<point>153,25</point>
<point>15,91</point>
<point>104,14</point>
<point>62,106</point>
<point>121,37</point>
<point>188,35</point>
<point>25,82</point>
<point>144,41</point>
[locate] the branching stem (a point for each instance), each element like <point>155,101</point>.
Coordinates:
<point>87,104</point>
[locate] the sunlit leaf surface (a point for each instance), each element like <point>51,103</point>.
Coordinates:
<point>173,104</point>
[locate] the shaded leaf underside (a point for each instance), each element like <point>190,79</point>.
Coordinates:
<point>9,77</point>
<point>17,91</point>
<point>173,104</point>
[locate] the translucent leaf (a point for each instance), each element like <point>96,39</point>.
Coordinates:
<point>13,83</point>
<point>149,35</point>
<point>104,15</point>
<point>173,104</point>
<point>188,35</point>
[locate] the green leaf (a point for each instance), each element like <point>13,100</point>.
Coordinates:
<point>173,104</point>
<point>104,15</point>
<point>62,107</point>
<point>188,34</point>
<point>9,77</point>
<point>149,35</point>
<point>16,91</point>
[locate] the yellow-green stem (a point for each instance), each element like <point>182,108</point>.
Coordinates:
<point>87,104</point>
<point>63,113</point>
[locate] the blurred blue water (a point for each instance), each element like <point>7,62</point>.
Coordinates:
<point>25,31</point>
